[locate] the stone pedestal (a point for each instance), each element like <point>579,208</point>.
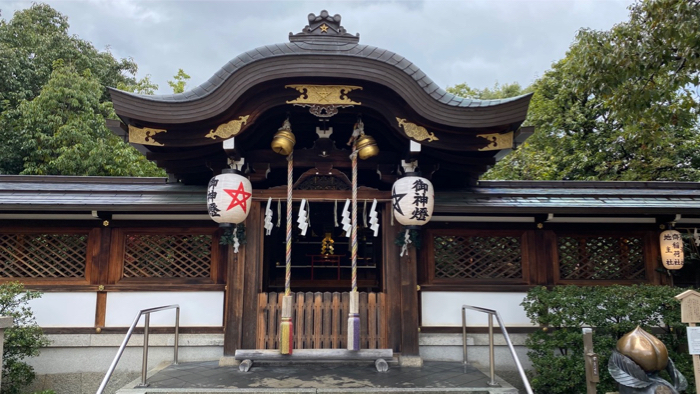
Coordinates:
<point>5,322</point>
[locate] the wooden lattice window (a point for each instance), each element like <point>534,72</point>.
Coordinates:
<point>473,256</point>
<point>34,255</point>
<point>167,256</point>
<point>601,258</point>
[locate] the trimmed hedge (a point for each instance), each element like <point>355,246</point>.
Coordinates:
<point>556,351</point>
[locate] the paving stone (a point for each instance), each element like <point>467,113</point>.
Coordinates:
<point>209,375</point>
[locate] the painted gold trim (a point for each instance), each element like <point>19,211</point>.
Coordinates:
<point>418,133</point>
<point>498,141</point>
<point>229,129</point>
<point>144,136</point>
<point>324,94</point>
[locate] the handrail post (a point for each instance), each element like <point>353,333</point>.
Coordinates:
<point>464,337</point>
<point>177,333</point>
<point>491,313</point>
<point>492,364</point>
<point>144,363</point>
<point>144,367</point>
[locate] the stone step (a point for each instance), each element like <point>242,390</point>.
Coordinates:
<point>210,378</point>
<point>494,390</point>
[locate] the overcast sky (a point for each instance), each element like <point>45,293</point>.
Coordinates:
<point>477,42</point>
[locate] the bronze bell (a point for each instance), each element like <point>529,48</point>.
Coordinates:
<point>284,140</point>
<point>366,147</point>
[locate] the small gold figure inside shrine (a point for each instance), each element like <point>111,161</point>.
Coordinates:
<point>327,245</point>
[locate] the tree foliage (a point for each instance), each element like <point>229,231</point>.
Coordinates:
<point>62,131</point>
<point>497,92</point>
<point>53,101</point>
<point>180,81</point>
<point>622,105</point>
<point>22,340</point>
<point>611,311</point>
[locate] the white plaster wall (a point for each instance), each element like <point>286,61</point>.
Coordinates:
<point>205,308</point>
<point>444,308</point>
<point>65,309</point>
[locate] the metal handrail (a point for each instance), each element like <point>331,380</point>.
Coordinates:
<point>491,313</point>
<point>144,364</point>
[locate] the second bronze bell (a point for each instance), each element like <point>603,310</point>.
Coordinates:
<point>366,147</point>
<point>284,140</point>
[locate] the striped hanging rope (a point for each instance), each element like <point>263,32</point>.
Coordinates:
<point>288,269</point>
<point>354,220</point>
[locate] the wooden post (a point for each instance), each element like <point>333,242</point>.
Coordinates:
<point>5,322</point>
<point>592,376</point>
<point>690,313</point>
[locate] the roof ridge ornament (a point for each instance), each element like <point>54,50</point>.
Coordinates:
<point>324,27</point>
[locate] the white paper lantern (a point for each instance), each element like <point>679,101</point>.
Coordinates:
<point>229,197</point>
<point>671,249</point>
<point>413,198</point>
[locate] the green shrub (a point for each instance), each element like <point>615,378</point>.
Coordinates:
<point>556,352</point>
<point>22,340</point>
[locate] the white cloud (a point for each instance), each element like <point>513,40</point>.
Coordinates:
<point>477,42</point>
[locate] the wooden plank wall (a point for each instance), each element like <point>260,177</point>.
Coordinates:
<point>321,320</point>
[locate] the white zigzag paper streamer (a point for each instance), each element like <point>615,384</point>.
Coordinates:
<point>303,223</point>
<point>236,244</point>
<point>347,225</point>
<point>373,218</point>
<point>268,217</point>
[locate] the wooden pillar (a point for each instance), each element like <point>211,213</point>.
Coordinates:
<point>251,276</point>
<point>409,303</point>
<point>233,314</point>
<point>392,279</point>
<point>99,243</point>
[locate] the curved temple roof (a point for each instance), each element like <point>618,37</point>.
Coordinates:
<point>325,38</point>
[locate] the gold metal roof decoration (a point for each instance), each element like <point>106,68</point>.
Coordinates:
<point>324,100</point>
<point>144,135</point>
<point>498,141</point>
<point>228,129</point>
<point>324,94</point>
<point>418,133</point>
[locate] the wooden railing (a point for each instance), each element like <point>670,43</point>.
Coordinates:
<point>321,320</point>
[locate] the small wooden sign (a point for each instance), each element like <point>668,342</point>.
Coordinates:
<point>690,306</point>
<point>690,313</point>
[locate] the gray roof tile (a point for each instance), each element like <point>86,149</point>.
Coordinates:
<point>327,48</point>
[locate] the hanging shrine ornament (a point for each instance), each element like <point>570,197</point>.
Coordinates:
<point>413,198</point>
<point>671,249</point>
<point>283,143</point>
<point>228,197</point>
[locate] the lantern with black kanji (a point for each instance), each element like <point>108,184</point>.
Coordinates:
<point>413,199</point>
<point>671,249</point>
<point>229,197</point>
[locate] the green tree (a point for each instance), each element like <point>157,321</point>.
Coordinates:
<point>22,340</point>
<point>142,86</point>
<point>497,92</point>
<point>33,128</point>
<point>180,81</point>
<point>38,36</point>
<point>622,105</point>
<point>62,131</point>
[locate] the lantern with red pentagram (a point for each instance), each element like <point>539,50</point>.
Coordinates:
<point>229,197</point>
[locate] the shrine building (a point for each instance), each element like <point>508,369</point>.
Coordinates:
<point>288,118</point>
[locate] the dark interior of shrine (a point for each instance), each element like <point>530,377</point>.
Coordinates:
<point>321,259</point>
